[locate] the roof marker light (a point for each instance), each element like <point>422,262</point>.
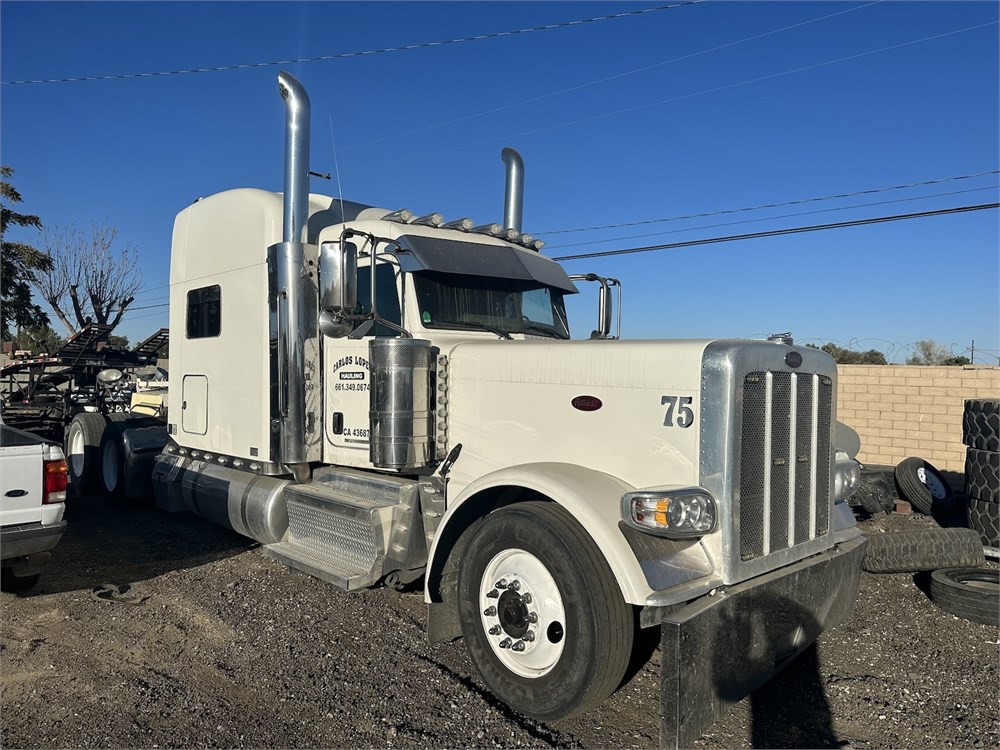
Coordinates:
<point>463,224</point>
<point>403,215</point>
<point>430,220</point>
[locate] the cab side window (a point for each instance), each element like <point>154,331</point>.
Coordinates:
<point>386,297</point>
<point>204,312</point>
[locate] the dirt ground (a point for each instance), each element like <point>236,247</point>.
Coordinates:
<point>228,648</point>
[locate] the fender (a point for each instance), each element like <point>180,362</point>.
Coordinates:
<point>592,497</point>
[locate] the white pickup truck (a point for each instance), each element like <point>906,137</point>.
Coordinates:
<point>32,500</point>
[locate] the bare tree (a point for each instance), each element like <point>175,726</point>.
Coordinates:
<point>89,281</point>
<point>929,352</point>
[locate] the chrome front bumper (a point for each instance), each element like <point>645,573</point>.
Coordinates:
<point>718,649</point>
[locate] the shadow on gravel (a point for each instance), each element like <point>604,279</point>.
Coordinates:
<point>123,545</point>
<point>792,711</point>
<point>538,732</point>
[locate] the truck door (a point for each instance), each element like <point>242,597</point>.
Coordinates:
<point>347,375</point>
<point>194,404</point>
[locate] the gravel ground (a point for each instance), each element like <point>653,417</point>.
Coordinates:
<point>231,649</point>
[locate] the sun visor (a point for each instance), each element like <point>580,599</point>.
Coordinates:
<point>419,253</point>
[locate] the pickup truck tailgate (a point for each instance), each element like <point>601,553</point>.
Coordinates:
<point>20,478</point>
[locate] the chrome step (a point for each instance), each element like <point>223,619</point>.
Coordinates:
<point>349,528</point>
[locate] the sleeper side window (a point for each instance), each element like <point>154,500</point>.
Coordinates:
<point>204,312</point>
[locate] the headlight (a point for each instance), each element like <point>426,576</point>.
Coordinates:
<point>678,513</point>
<point>846,476</point>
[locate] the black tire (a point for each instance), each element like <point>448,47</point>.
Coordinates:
<point>981,424</point>
<point>922,549</point>
<point>83,450</point>
<point>984,518</point>
<point>874,495</point>
<point>11,582</point>
<point>573,660</point>
<point>111,471</point>
<point>982,475</point>
<point>924,487</point>
<point>970,593</point>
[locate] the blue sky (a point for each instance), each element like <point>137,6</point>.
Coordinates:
<point>697,109</point>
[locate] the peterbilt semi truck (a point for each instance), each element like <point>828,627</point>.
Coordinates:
<point>378,397</point>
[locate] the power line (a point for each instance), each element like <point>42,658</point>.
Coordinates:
<point>714,90</point>
<point>779,232</point>
<point>150,307</point>
<point>345,55</point>
<point>773,218</point>
<point>797,202</point>
<point>577,87</point>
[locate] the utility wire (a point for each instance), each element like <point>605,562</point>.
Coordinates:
<point>797,202</point>
<point>773,218</point>
<point>567,123</point>
<point>560,92</point>
<point>345,55</point>
<point>779,232</point>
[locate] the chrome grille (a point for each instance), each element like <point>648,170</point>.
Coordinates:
<point>784,467</point>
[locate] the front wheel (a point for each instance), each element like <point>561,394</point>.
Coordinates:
<point>542,615</point>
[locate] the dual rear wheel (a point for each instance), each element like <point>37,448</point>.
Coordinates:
<point>95,455</point>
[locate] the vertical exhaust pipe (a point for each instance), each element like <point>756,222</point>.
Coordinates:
<point>292,324</point>
<point>513,202</point>
<point>296,200</point>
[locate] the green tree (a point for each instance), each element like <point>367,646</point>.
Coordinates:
<point>19,264</point>
<point>844,356</point>
<point>39,338</point>
<point>929,352</point>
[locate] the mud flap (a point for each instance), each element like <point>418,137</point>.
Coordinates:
<point>718,649</point>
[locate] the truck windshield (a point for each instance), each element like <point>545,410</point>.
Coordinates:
<point>503,306</point>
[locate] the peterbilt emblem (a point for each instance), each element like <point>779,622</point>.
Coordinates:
<point>793,359</point>
<point>587,403</point>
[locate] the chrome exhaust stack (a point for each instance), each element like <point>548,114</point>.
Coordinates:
<point>513,202</point>
<point>296,200</point>
<point>293,300</point>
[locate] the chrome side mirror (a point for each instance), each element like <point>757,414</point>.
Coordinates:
<point>338,287</point>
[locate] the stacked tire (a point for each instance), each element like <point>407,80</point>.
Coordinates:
<point>981,436</point>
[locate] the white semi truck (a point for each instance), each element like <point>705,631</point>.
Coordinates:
<point>377,397</point>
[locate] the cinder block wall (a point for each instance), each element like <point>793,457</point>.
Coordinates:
<point>902,411</point>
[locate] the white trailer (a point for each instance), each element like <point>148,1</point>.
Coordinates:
<point>377,397</point>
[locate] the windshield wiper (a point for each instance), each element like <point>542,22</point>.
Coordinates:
<point>482,327</point>
<point>544,329</point>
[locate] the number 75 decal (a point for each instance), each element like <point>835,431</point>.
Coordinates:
<point>682,404</point>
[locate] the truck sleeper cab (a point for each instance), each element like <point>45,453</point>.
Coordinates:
<point>432,419</point>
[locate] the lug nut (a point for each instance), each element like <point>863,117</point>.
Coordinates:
<point>526,598</point>
<point>495,630</point>
<point>505,643</point>
<point>490,611</point>
<point>529,636</point>
<point>532,617</point>
<point>515,585</point>
<point>494,594</point>
<point>501,584</point>
<point>519,646</point>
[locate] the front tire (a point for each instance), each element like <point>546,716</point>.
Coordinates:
<point>543,618</point>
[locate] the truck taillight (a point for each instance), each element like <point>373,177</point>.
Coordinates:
<point>55,482</point>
